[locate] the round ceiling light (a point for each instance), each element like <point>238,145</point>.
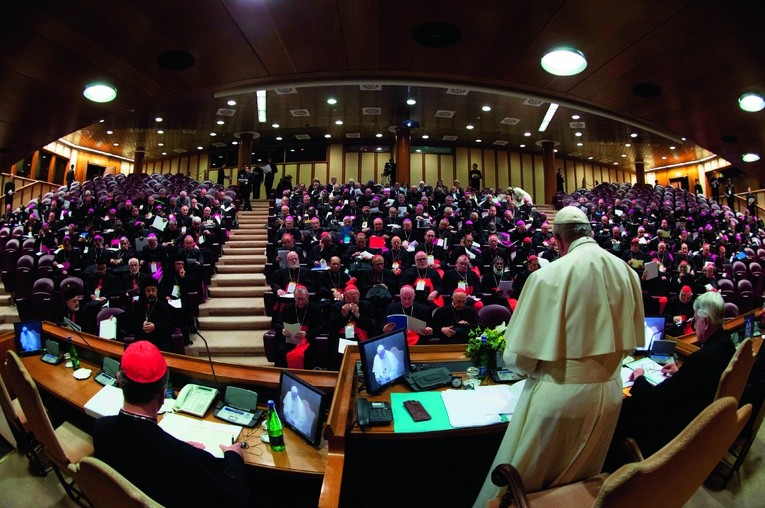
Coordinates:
<point>751,102</point>
<point>750,157</point>
<point>100,92</point>
<point>411,102</point>
<point>331,101</point>
<point>564,61</point>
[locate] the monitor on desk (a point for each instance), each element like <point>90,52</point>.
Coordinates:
<point>654,330</point>
<point>302,407</point>
<point>384,360</point>
<point>29,338</point>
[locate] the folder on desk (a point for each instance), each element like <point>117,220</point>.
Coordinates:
<point>107,402</point>
<point>210,434</point>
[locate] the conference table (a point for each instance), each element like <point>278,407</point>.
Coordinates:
<point>441,467</point>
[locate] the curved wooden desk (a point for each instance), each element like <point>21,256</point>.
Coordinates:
<point>300,458</point>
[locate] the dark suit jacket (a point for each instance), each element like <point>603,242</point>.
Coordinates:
<point>654,415</point>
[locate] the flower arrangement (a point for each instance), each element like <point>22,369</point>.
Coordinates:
<point>483,344</point>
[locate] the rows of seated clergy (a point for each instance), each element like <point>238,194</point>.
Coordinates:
<point>107,217</point>
<point>91,230</point>
<point>434,241</point>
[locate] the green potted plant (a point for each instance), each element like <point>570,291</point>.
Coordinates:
<point>483,345</point>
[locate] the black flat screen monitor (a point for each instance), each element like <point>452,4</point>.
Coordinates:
<point>654,330</point>
<point>384,360</point>
<point>302,407</point>
<point>29,338</point>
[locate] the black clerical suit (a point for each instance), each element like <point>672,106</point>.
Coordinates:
<point>449,316</point>
<point>310,317</point>
<point>417,311</point>
<point>168,470</point>
<point>158,313</point>
<point>654,415</point>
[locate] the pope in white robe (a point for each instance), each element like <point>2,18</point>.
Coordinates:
<point>574,322</point>
<point>385,366</point>
<point>293,411</point>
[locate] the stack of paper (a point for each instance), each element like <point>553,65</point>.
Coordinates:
<point>210,434</point>
<point>482,406</point>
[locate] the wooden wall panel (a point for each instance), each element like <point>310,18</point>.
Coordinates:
<point>539,182</point>
<point>351,166</point>
<point>415,168</point>
<point>489,168</point>
<point>321,172</point>
<point>336,162</point>
<point>446,169</point>
<point>461,166</point>
<point>432,162</point>
<point>174,165</point>
<point>503,169</point>
<point>306,173</point>
<point>367,169</point>
<point>527,173</point>
<point>514,170</point>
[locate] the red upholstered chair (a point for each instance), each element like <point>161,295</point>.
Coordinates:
<point>739,270</point>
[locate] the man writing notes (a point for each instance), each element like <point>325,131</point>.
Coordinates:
<point>574,322</point>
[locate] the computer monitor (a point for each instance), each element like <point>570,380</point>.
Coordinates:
<point>29,338</point>
<point>302,407</point>
<point>384,360</point>
<point>654,330</point>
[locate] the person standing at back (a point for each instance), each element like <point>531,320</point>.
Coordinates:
<point>475,178</point>
<point>575,321</point>
<point>243,177</point>
<point>270,171</point>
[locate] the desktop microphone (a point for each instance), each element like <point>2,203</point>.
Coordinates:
<point>209,359</point>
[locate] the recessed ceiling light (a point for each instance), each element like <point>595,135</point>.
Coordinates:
<point>378,135</point>
<point>160,144</point>
<point>751,102</point>
<point>486,108</point>
<point>418,151</point>
<point>478,140</point>
<point>469,127</point>
<point>555,150</point>
<point>110,132</point>
<point>331,101</point>
<point>328,136</point>
<point>564,61</point>
<point>235,142</point>
<point>580,144</point>
<point>275,125</point>
<point>672,147</point>
<point>278,138</point>
<point>411,102</point>
<point>590,158</point>
<point>213,134</point>
<point>164,153</point>
<point>160,132</point>
<point>101,121</point>
<point>100,92</point>
<point>158,119</point>
<point>116,144</point>
<point>220,122</point>
<point>664,157</point>
<point>200,148</point>
<point>527,134</point>
<point>425,136</point>
<point>684,139</point>
<point>578,134</point>
<point>522,146</point>
<point>575,117</point>
<point>628,144</point>
<point>292,149</point>
<point>750,157</point>
<point>616,163</point>
<point>231,102</point>
<point>624,155</point>
<point>633,135</point>
<point>379,148</point>
<point>338,122</point>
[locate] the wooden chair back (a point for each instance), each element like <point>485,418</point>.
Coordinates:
<point>104,486</point>
<point>734,377</point>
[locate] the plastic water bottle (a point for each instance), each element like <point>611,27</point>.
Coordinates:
<point>275,432</point>
<point>73,355</point>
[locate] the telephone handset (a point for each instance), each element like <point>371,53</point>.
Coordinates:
<point>195,399</point>
<point>373,413</point>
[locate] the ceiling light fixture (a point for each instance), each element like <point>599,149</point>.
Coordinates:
<point>590,158</point>
<point>564,61</point>
<point>235,142</point>
<point>164,153</point>
<point>278,138</point>
<point>425,136</point>
<point>418,151</point>
<point>220,122</point>
<point>200,148</point>
<point>275,125</point>
<point>548,117</point>
<point>213,134</point>
<point>580,144</point>
<point>110,132</point>
<point>116,144</point>
<point>379,149</point>
<point>158,119</point>
<point>378,135</point>
<point>231,102</point>
<point>478,140</point>
<point>575,117</point>
<point>751,102</point>
<point>628,145</point>
<point>100,92</point>
<point>338,122</point>
<point>331,101</point>
<point>750,157</point>
<point>328,136</point>
<point>672,147</point>
<point>633,135</point>
<point>522,146</point>
<point>160,132</point>
<point>261,99</point>
<point>411,102</point>
<point>486,108</point>
<point>527,134</point>
<point>160,144</point>
<point>470,127</point>
<point>578,134</point>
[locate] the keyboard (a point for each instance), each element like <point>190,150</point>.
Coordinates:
<point>455,366</point>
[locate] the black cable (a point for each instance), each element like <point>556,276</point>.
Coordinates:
<point>212,367</point>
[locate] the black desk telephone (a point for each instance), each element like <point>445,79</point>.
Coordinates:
<point>373,413</point>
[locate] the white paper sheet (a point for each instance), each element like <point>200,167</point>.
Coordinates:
<point>210,434</point>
